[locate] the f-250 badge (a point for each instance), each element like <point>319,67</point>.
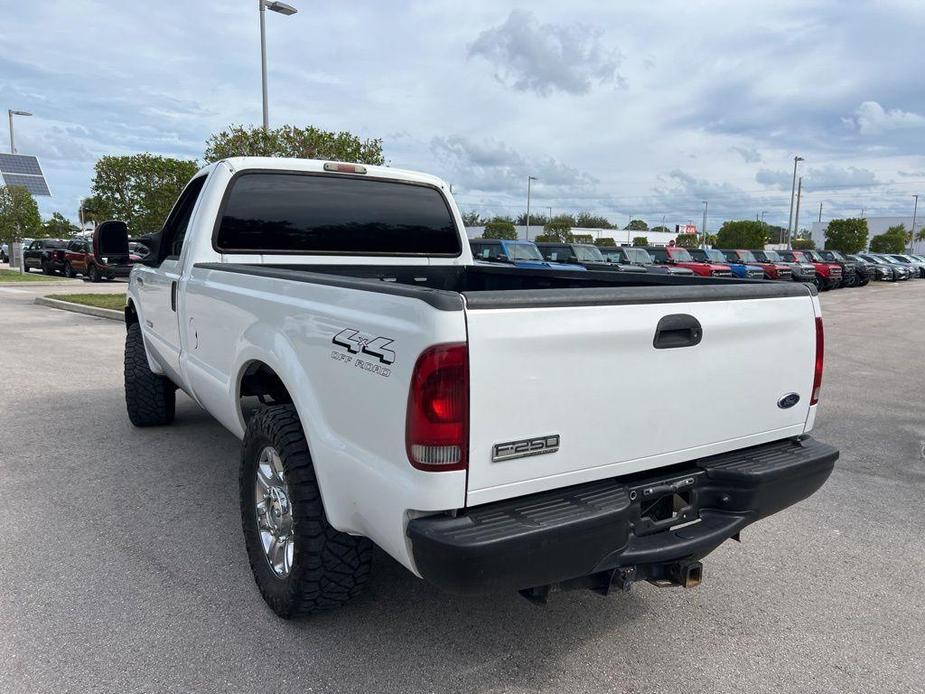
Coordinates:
<point>357,343</point>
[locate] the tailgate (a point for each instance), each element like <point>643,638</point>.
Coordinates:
<point>591,376</point>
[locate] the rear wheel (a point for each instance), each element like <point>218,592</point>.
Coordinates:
<point>46,268</point>
<point>300,562</point>
<point>93,274</point>
<point>69,271</point>
<point>149,398</point>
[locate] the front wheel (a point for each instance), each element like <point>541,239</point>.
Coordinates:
<point>150,398</point>
<point>46,268</point>
<point>300,562</point>
<point>819,284</point>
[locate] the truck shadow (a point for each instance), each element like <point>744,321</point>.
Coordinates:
<point>165,500</point>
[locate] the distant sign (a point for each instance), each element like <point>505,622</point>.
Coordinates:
<point>685,228</point>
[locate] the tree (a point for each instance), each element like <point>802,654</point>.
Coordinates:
<point>688,240</point>
<point>662,229</point>
<point>920,236</point>
<point>636,225</point>
<point>847,235</point>
<point>559,228</point>
<point>640,241</point>
<point>803,244</point>
<point>605,241</point>
<point>92,210</point>
<point>582,238</point>
<point>745,233</point>
<point>139,189</point>
<point>500,228</point>
<point>472,219</point>
<point>19,215</point>
<point>289,141</point>
<point>893,240</point>
<point>59,227</point>
<point>536,220</point>
<point>587,220</point>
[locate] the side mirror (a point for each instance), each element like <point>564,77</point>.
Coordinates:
<point>503,258</point>
<point>110,239</point>
<point>153,243</point>
<point>573,259</point>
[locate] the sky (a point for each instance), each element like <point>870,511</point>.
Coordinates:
<point>622,109</point>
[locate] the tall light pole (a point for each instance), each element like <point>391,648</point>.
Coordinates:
<point>530,179</point>
<point>793,188</point>
<point>706,205</point>
<point>915,209</point>
<point>285,10</point>
<point>10,113</point>
<point>796,224</point>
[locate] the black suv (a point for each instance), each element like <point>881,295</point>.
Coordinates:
<point>631,255</point>
<point>850,277</point>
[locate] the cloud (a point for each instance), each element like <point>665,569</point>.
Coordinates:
<point>870,118</point>
<point>749,154</point>
<point>545,58</point>
<point>819,178</point>
<point>490,166</point>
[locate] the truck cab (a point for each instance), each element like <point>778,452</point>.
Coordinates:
<point>681,257</point>
<point>521,254</point>
<point>799,272</point>
<point>739,269</point>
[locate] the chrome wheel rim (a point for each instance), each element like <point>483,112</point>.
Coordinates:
<point>274,512</point>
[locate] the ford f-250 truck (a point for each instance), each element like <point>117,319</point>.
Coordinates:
<point>388,390</point>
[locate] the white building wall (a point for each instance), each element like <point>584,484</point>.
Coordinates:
<point>876,226</point>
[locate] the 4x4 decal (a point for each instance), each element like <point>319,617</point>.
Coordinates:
<point>355,342</point>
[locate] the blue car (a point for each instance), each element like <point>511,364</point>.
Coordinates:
<point>520,254</point>
<point>713,255</point>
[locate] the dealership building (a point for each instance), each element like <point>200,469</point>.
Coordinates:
<point>876,226</point>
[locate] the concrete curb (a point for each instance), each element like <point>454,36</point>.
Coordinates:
<point>109,313</point>
<point>39,283</point>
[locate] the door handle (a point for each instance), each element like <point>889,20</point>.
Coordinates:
<point>140,280</point>
<point>677,330</point>
<point>173,296</point>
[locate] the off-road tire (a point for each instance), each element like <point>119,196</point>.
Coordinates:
<point>93,274</point>
<point>329,567</point>
<point>149,398</point>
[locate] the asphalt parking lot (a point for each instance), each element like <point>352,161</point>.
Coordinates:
<point>122,564</point>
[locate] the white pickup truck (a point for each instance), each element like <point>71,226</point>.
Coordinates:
<point>490,428</point>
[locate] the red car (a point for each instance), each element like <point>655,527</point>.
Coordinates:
<point>828,275</point>
<point>79,259</point>
<point>772,271</point>
<point>679,257</point>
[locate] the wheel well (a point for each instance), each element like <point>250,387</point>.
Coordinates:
<point>131,315</point>
<point>260,384</point>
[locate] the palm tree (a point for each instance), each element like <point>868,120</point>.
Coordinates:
<point>921,235</point>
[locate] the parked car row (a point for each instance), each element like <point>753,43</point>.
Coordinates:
<point>825,269</point>
<point>75,257</point>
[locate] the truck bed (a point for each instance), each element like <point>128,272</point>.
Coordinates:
<point>488,287</point>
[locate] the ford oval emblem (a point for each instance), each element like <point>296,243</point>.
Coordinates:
<point>788,401</point>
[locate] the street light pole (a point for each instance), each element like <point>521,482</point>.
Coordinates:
<point>530,180</point>
<point>10,113</point>
<point>704,237</point>
<point>796,225</point>
<point>793,188</point>
<point>285,10</point>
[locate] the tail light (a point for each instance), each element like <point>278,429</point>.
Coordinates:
<point>437,423</point>
<point>820,352</point>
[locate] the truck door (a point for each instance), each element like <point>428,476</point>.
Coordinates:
<point>157,286</point>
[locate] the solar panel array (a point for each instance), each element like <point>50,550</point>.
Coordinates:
<point>23,170</point>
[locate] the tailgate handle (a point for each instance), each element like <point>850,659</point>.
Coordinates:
<point>677,330</point>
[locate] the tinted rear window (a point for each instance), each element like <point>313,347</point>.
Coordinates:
<point>54,244</point>
<point>303,213</point>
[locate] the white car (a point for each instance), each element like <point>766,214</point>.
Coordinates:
<point>467,419</point>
